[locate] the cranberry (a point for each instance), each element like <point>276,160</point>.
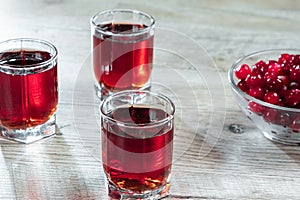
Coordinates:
<point>243,71</point>
<point>270,62</point>
<point>243,85</point>
<point>255,80</point>
<point>274,84</point>
<point>270,115</point>
<point>283,119</point>
<point>292,97</point>
<point>282,93</point>
<point>284,58</point>
<point>295,123</point>
<point>280,103</point>
<point>275,68</point>
<point>255,107</point>
<point>271,97</point>
<point>256,93</point>
<point>261,64</point>
<point>295,73</point>
<point>284,79</point>
<point>296,59</point>
<point>286,68</point>
<point>260,67</point>
<point>269,75</point>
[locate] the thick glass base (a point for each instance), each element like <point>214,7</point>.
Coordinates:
<point>31,134</point>
<point>102,92</point>
<point>285,138</point>
<point>115,193</point>
<point>278,131</point>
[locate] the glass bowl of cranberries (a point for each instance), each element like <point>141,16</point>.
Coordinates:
<point>266,85</point>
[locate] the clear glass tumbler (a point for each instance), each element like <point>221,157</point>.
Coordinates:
<point>122,49</point>
<point>28,89</point>
<point>137,144</point>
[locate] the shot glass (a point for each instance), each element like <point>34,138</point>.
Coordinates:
<point>137,129</point>
<point>28,89</point>
<point>122,50</point>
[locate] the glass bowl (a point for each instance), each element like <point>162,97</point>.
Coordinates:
<point>277,123</point>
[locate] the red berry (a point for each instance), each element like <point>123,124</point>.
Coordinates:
<point>286,68</point>
<point>261,64</point>
<point>256,93</point>
<point>295,73</point>
<point>284,58</point>
<point>275,68</point>
<point>280,103</point>
<point>296,60</point>
<point>255,107</point>
<point>242,71</point>
<point>282,92</point>
<point>284,79</point>
<point>270,115</point>
<point>270,62</point>
<point>243,85</point>
<point>271,97</point>
<point>295,123</point>
<point>292,97</point>
<point>283,119</point>
<point>255,80</point>
<point>269,75</point>
<point>274,84</point>
<point>260,67</point>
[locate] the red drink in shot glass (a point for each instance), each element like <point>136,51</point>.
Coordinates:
<point>122,46</point>
<point>28,89</point>
<point>137,144</point>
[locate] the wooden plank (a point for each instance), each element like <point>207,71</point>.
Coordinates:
<point>196,43</point>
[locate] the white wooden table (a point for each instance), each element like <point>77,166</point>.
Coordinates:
<point>195,44</point>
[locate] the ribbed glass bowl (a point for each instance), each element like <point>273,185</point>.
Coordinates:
<point>277,123</point>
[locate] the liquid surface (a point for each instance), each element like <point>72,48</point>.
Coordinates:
<point>25,57</point>
<point>122,28</point>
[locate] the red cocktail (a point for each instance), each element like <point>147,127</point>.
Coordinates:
<point>137,143</point>
<point>28,89</point>
<point>122,45</point>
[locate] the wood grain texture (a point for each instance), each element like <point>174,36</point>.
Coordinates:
<point>196,43</point>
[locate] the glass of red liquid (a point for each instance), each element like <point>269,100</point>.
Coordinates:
<point>28,89</point>
<point>122,46</point>
<point>137,129</point>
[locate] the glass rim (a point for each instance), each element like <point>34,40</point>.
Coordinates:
<point>144,125</point>
<point>30,66</point>
<point>233,83</point>
<point>132,11</point>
